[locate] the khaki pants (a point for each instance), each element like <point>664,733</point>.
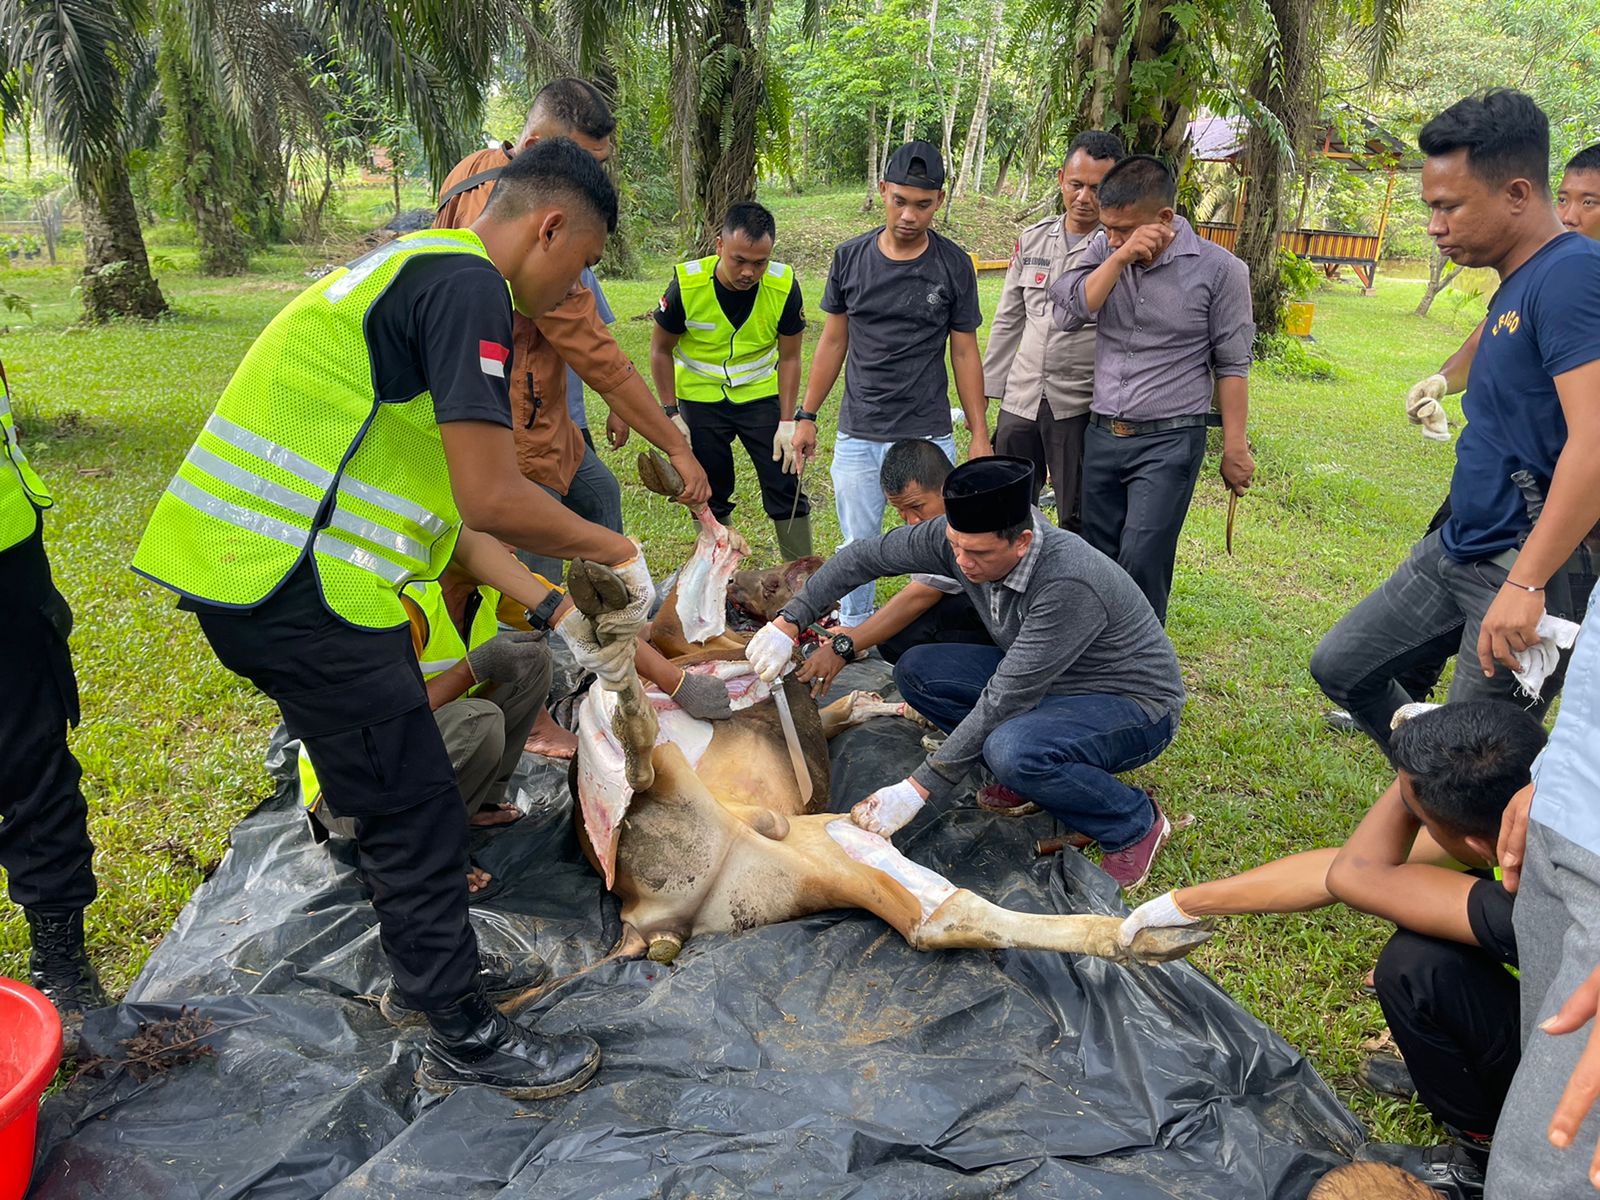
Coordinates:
<point>483,735</point>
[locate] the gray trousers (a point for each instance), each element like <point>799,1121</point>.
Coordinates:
<point>1430,608</point>
<point>1055,446</point>
<point>595,495</point>
<point>1558,942</point>
<point>483,735</point>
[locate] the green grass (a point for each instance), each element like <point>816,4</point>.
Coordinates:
<point>171,742</point>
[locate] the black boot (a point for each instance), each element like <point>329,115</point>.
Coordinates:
<point>501,978</point>
<point>58,966</point>
<point>473,1043</point>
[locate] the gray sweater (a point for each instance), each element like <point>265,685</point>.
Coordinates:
<point>1069,619</point>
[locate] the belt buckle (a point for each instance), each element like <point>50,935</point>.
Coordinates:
<point>1121,428</point>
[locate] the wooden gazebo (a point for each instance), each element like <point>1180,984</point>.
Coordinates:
<point>1221,139</point>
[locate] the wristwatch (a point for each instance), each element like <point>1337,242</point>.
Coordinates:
<point>539,617</point>
<point>801,414</point>
<point>670,409</point>
<point>843,646</point>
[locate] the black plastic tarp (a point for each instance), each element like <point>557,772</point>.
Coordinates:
<point>817,1058</point>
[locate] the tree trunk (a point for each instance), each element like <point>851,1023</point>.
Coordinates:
<point>947,125</point>
<point>1005,165</point>
<point>725,123</point>
<point>1148,123</point>
<point>1438,280</point>
<point>116,271</point>
<point>1284,88</point>
<point>872,155</point>
<point>980,110</point>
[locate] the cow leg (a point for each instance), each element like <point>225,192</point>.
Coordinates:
<point>595,590</point>
<point>931,913</point>
<point>860,707</point>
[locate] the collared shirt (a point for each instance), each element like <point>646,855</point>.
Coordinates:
<point>1566,775</point>
<point>1167,331</point>
<point>1027,356</point>
<point>1070,621</point>
<point>549,446</point>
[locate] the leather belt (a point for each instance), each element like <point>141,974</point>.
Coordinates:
<point>1121,428</point>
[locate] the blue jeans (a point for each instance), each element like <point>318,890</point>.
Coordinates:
<point>1063,755</point>
<point>595,495</point>
<point>858,499</point>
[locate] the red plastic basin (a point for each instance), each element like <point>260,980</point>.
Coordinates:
<point>30,1051</point>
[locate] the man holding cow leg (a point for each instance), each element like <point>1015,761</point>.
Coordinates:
<point>365,425</point>
<point>1081,683</point>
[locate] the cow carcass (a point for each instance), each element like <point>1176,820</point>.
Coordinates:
<point>734,832</point>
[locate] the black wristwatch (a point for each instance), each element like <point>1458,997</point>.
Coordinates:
<point>801,414</point>
<point>843,646</point>
<point>539,617</point>
<point>670,409</point>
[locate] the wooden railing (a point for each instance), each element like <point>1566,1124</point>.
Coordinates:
<point>1331,248</point>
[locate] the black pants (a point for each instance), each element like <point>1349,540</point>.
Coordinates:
<point>356,699</point>
<point>1136,493</point>
<point>1453,1011</point>
<point>1055,445</point>
<point>713,426</point>
<point>953,619</point>
<point>44,822</point>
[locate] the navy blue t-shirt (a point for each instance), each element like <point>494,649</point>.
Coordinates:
<point>1543,321</point>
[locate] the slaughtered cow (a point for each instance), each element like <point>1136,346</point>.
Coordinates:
<point>714,827</point>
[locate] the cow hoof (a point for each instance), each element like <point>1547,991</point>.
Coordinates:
<point>595,588</point>
<point>664,947</point>
<point>1163,944</point>
<point>660,476</point>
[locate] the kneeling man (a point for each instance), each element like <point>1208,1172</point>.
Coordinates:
<point>1080,684</point>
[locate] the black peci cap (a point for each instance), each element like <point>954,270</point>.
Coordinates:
<point>986,495</point>
<point>918,165</point>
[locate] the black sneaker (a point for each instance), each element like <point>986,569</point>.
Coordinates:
<point>1452,1170</point>
<point>1340,721</point>
<point>1388,1075</point>
<point>499,976</point>
<point>60,968</point>
<point>473,1044</point>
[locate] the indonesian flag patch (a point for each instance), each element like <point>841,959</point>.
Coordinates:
<point>492,358</point>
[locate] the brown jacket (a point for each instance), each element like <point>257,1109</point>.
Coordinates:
<point>549,446</point>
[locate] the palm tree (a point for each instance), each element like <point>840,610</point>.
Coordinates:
<point>79,67</point>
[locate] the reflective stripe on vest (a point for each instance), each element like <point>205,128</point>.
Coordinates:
<point>301,457</point>
<point>444,647</point>
<point>22,492</point>
<point>713,360</point>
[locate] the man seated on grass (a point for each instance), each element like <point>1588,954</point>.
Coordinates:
<point>1442,980</point>
<point>930,608</point>
<point>1081,683</point>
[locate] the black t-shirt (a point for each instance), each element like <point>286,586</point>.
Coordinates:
<point>1489,909</point>
<point>736,306</point>
<point>901,317</point>
<point>444,326</point>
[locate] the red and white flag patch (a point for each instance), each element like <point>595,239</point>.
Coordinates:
<point>492,358</point>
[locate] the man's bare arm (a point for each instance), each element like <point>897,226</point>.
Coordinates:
<point>967,366</point>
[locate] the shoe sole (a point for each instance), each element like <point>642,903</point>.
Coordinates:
<point>1161,840</point>
<point>443,1087</point>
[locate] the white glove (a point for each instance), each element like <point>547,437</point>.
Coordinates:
<point>769,651</point>
<point>609,658</point>
<point>783,447</point>
<point>1161,913</point>
<point>1423,407</point>
<point>626,622</point>
<point>683,426</point>
<point>888,809</point>
<point>1539,661</point>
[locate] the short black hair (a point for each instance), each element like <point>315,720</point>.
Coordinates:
<point>1012,532</point>
<point>1096,143</point>
<point>1137,181</point>
<point>1587,159</point>
<point>1466,760</point>
<point>751,217</point>
<point>913,461</point>
<point>575,104</point>
<point>554,169</point>
<point>1505,134</point>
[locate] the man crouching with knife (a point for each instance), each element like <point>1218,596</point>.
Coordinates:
<point>1081,683</point>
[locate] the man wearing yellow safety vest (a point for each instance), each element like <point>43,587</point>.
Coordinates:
<point>44,832</point>
<point>367,424</point>
<point>727,346</point>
